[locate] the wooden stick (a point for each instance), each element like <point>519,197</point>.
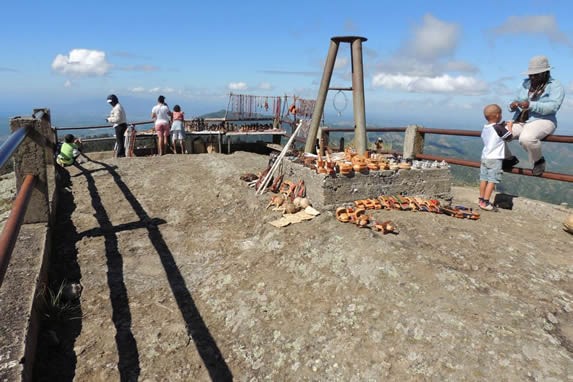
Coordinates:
<point>279,159</point>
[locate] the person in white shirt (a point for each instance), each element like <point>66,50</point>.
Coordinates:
<point>494,135</point>
<point>119,121</point>
<point>162,117</point>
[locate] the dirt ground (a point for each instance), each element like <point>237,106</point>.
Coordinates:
<point>184,279</point>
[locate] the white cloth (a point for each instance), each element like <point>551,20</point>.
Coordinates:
<point>117,115</point>
<point>494,136</point>
<point>161,113</point>
<point>530,135</point>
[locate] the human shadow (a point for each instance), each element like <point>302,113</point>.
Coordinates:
<point>197,330</point>
<point>55,357</point>
<point>128,354</point>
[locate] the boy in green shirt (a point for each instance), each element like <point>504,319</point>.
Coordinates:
<point>69,151</point>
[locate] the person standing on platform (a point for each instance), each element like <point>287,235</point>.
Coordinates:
<point>494,135</point>
<point>162,117</point>
<point>178,129</point>
<point>119,121</point>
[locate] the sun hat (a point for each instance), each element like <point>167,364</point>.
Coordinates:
<point>537,64</point>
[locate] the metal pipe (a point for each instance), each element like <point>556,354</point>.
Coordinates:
<point>358,95</point>
<point>515,170</point>
<point>321,98</point>
<point>465,133</point>
<point>12,143</point>
<point>101,126</point>
<point>12,226</point>
<point>370,129</point>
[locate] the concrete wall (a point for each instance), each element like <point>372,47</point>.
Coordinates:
<point>27,271</point>
<point>328,192</point>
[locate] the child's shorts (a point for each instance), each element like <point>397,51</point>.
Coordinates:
<point>177,134</point>
<point>490,170</point>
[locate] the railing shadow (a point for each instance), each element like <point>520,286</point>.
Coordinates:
<point>61,334</point>
<point>128,354</point>
<point>195,325</point>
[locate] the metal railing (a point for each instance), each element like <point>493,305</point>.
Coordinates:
<point>465,162</point>
<point>13,224</point>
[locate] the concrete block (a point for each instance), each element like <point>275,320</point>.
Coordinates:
<point>328,192</point>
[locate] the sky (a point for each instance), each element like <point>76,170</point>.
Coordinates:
<point>433,63</point>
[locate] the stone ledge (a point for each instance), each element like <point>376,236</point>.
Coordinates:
<point>19,320</point>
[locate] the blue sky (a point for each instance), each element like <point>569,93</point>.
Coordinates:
<point>435,63</point>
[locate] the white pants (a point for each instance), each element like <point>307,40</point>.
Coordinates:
<point>530,134</point>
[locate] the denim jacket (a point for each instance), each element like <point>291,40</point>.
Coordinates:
<point>548,103</point>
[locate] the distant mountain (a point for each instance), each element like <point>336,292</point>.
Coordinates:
<point>232,115</point>
<point>214,114</point>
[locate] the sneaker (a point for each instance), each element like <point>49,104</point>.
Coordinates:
<point>486,205</point>
<point>538,167</point>
<point>509,163</point>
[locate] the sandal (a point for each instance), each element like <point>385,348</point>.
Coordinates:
<point>385,227</point>
<point>422,205</point>
<point>411,203</point>
<point>403,204</point>
<point>275,187</point>
<point>300,189</point>
<point>342,215</point>
<point>376,204</point>
<point>452,211</point>
<point>389,202</point>
<point>468,213</point>
<point>362,221</point>
<point>385,202</point>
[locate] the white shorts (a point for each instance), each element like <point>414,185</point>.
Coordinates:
<point>177,134</point>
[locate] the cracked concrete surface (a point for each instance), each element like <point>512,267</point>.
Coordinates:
<point>184,279</point>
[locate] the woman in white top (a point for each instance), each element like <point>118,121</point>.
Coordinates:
<point>162,117</point>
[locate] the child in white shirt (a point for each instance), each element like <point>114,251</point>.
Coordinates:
<point>494,135</point>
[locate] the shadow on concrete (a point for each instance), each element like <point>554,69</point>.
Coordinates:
<point>128,363</point>
<point>195,325</point>
<point>55,357</point>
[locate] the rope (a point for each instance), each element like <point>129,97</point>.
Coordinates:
<point>339,110</point>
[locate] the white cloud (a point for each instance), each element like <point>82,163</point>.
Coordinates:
<point>237,86</point>
<point>158,90</point>
<point>433,39</point>
<point>426,63</point>
<point>265,86</point>
<point>341,62</point>
<point>460,66</point>
<point>543,25</point>
<point>82,62</point>
<point>439,84</point>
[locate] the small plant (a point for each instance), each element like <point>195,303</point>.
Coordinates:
<point>53,306</point>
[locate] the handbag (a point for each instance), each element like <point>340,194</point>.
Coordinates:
<point>523,116</point>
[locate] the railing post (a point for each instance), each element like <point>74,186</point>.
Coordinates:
<point>413,142</point>
<point>32,158</point>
